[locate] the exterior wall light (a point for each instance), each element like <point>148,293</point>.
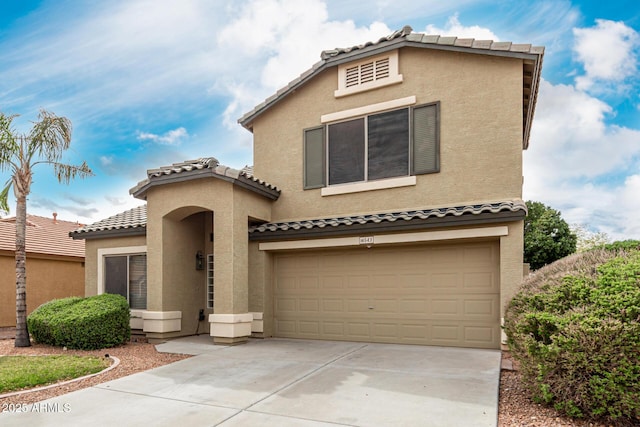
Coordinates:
<point>199,261</point>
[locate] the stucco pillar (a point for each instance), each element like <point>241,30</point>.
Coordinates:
<point>231,320</point>
<point>511,266</point>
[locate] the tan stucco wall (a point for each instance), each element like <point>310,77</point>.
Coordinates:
<point>511,263</point>
<point>480,139</point>
<point>47,278</point>
<point>260,285</point>
<point>91,257</point>
<point>184,286</point>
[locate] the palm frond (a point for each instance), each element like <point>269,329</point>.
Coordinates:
<point>4,197</point>
<point>50,136</point>
<point>65,173</point>
<point>8,142</point>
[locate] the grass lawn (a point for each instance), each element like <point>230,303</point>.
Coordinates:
<point>22,372</point>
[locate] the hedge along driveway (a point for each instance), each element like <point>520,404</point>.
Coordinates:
<point>100,321</point>
<point>575,327</point>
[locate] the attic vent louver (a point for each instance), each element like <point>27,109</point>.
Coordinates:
<point>368,74</point>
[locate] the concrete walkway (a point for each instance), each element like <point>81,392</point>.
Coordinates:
<point>281,382</point>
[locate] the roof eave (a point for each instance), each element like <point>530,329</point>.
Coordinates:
<point>385,226</point>
<point>242,181</point>
<point>249,184</point>
<point>247,120</point>
<point>114,232</point>
<point>140,191</point>
<point>534,98</point>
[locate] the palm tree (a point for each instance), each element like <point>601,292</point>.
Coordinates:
<point>48,139</point>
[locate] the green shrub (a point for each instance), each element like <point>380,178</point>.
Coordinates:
<point>91,323</point>
<point>622,245</point>
<point>575,328</point>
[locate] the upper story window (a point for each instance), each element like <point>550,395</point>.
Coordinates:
<point>368,74</point>
<point>371,147</point>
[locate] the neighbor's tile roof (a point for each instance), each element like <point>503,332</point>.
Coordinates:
<point>132,220</point>
<point>423,214</point>
<point>405,37</point>
<point>44,236</point>
<point>206,166</point>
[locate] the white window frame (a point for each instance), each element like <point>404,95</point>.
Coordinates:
<point>393,75</point>
<point>121,251</point>
<point>360,186</point>
<point>368,109</point>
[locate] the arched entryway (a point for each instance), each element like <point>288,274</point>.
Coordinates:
<point>187,240</point>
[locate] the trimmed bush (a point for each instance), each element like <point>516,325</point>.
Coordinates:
<point>91,323</point>
<point>575,328</point>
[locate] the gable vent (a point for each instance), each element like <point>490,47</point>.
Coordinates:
<point>370,73</point>
<point>367,72</point>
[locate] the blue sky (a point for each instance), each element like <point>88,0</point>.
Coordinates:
<point>151,82</point>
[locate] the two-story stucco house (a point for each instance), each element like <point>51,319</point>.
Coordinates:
<point>384,205</point>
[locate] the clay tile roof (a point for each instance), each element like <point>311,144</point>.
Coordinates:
<point>247,170</point>
<point>133,221</point>
<point>44,236</point>
<point>186,166</point>
<point>405,37</point>
<point>207,166</point>
<point>407,34</point>
<point>405,31</point>
<point>389,217</point>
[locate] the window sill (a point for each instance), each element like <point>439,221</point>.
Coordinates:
<point>394,79</point>
<point>359,187</point>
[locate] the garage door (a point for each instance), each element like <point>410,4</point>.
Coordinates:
<point>445,295</point>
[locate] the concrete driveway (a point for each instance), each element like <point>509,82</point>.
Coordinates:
<point>281,382</point>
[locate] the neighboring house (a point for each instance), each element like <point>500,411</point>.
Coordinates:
<point>384,205</point>
<point>55,264</point>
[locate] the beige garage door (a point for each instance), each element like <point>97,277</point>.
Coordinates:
<point>435,295</point>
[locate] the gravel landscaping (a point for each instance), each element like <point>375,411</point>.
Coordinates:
<point>515,409</point>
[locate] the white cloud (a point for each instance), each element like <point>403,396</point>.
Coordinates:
<point>172,137</point>
<point>577,163</point>
<point>123,53</point>
<point>455,28</point>
<point>106,161</point>
<point>570,136</point>
<point>630,202</point>
<point>44,206</point>
<point>607,51</point>
<point>287,37</point>
<point>117,201</point>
